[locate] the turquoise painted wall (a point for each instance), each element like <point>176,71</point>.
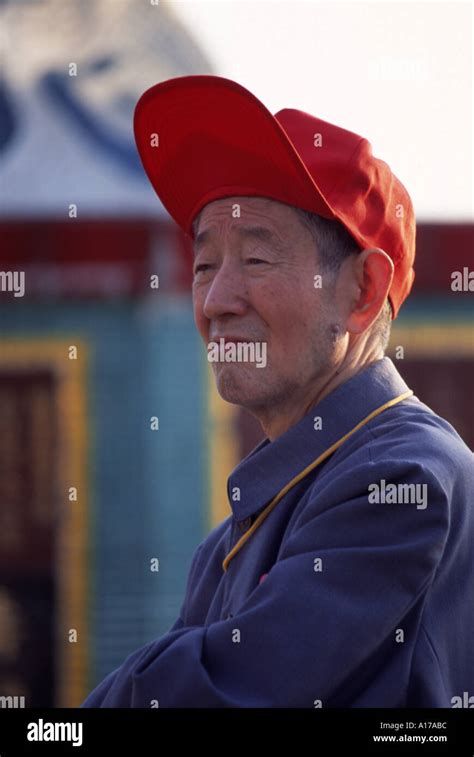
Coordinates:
<point>148,489</point>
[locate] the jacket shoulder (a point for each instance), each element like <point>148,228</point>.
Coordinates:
<point>413,430</point>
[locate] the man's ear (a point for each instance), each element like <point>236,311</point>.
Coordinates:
<point>372,274</point>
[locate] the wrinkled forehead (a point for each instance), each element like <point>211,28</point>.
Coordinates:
<point>247,226</point>
<point>233,204</point>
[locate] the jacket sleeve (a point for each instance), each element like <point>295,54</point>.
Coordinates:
<point>325,616</point>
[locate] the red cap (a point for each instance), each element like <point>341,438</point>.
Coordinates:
<point>201,138</point>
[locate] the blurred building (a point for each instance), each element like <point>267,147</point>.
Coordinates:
<point>89,492</point>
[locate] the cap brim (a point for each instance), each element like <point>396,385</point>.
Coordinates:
<point>201,138</point>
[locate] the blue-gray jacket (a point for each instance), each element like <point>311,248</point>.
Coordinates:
<point>343,578</point>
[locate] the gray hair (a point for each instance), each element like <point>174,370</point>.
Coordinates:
<point>334,244</point>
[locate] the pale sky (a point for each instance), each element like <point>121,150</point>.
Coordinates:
<point>399,74</point>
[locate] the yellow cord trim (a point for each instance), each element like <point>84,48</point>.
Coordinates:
<point>305,472</point>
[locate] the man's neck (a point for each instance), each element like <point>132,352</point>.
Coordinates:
<point>279,419</point>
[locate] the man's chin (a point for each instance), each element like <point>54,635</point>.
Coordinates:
<point>237,386</point>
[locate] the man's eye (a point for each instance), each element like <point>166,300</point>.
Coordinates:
<point>201,267</point>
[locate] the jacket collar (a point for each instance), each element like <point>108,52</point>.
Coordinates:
<point>271,465</point>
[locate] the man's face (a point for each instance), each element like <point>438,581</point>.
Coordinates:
<point>254,281</point>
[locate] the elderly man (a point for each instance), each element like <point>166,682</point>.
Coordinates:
<point>344,576</point>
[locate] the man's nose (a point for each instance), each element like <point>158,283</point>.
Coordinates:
<point>227,292</point>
